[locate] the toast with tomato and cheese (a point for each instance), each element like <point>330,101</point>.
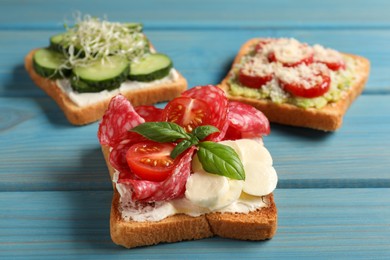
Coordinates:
<point>197,168</point>
<point>296,84</point>
<point>82,74</point>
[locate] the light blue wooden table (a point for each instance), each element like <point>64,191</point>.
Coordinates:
<point>333,194</point>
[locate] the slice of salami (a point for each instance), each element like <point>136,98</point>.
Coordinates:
<point>246,121</point>
<point>149,113</point>
<point>217,102</point>
<point>171,188</point>
<point>118,155</point>
<point>119,118</point>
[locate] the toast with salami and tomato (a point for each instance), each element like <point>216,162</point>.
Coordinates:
<point>168,186</point>
<point>82,75</point>
<point>296,84</point>
<point>257,225</point>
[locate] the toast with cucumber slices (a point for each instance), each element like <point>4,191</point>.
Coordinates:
<point>82,74</point>
<point>296,84</point>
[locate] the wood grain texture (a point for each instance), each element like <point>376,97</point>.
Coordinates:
<point>202,13</point>
<point>188,50</point>
<point>313,223</point>
<point>45,152</point>
<point>55,191</point>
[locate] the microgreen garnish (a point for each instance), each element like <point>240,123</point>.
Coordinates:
<point>89,39</point>
<point>215,158</point>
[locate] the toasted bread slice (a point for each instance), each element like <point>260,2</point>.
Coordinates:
<point>256,225</point>
<point>328,118</point>
<point>88,114</point>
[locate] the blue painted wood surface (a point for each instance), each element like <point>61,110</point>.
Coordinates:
<point>333,194</point>
<point>65,157</point>
<point>313,223</point>
<point>188,49</point>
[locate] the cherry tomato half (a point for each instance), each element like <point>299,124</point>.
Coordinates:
<point>291,55</point>
<point>262,43</point>
<point>331,58</point>
<point>337,65</point>
<point>187,112</point>
<point>253,81</point>
<point>316,88</point>
<point>150,160</point>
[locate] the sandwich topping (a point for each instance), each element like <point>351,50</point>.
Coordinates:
<point>288,71</point>
<point>199,154</point>
<point>96,59</point>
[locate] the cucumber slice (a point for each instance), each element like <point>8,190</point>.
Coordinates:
<point>152,67</point>
<point>60,43</point>
<point>82,87</point>
<point>46,63</point>
<point>101,74</point>
<point>57,43</point>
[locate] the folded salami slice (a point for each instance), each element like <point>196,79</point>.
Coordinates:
<point>171,188</point>
<point>114,132</point>
<point>119,118</point>
<point>149,113</point>
<point>246,122</point>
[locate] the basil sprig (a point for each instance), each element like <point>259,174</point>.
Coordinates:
<point>162,132</point>
<point>215,158</point>
<point>220,159</point>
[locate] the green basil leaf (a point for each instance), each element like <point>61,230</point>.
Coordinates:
<point>201,132</point>
<point>221,160</point>
<point>181,147</point>
<point>161,132</point>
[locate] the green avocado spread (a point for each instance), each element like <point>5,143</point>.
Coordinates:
<point>341,81</point>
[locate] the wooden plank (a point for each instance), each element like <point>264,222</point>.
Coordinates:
<point>346,158</point>
<point>202,13</point>
<point>188,50</point>
<point>313,223</point>
<point>42,151</point>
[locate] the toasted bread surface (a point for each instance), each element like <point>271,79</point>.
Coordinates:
<point>171,229</point>
<point>257,225</point>
<point>328,118</point>
<point>91,113</point>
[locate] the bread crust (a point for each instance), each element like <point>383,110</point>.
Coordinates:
<point>88,114</point>
<point>257,225</point>
<point>328,118</point>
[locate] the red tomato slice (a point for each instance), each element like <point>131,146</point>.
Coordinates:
<point>291,53</point>
<point>260,44</point>
<point>331,58</point>
<point>340,65</point>
<point>151,161</point>
<point>253,81</point>
<point>187,112</point>
<point>308,86</point>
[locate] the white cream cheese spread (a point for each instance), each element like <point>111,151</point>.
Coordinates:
<point>86,99</point>
<point>207,192</point>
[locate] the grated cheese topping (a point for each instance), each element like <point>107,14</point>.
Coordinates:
<point>322,54</point>
<point>305,75</point>
<point>257,66</point>
<point>289,51</point>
